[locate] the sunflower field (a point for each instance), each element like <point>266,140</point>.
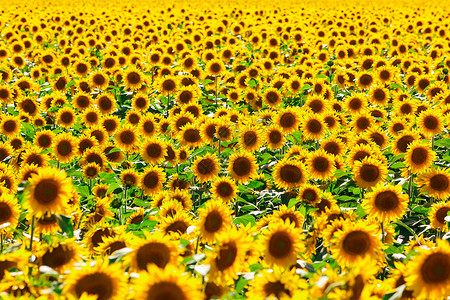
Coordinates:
<point>224,149</point>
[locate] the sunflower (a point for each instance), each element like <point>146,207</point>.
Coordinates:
<point>287,120</point>
<point>91,170</point>
<point>86,142</point>
<point>10,125</point>
<point>90,116</point>
<point>129,177</point>
<point>97,234</point>
<point>106,103</point>
<point>206,167</point>
<point>126,137</point>
<point>153,150</point>
<point>190,135</point>
<point>101,191</point>
<point>435,183</point>
<point>81,68</point>
<point>148,126</point>
<point>48,191</point>
<point>320,165</point>
<point>289,174</point>
<point>8,179</point>
<point>152,179</point>
<point>102,280</point>
<point>9,211</point>
<point>419,156</point>
<point>224,188</point>
<point>178,121</point>
<point>82,101</point>
<point>378,95</point>
<point>430,122</point>
<point>133,78</point>
<point>356,243</point>
<point>274,137</point>
<point>32,155</point>
<point>215,67</point>
<point>110,123</point>
<point>136,217</point>
<point>99,80</point>
<point>242,166</point>
<point>60,255</point>
<point>168,85</point>
<point>153,250</point>
<point>6,150</point>
<point>368,172</point>
<point>280,244</point>
<point>334,146</point>
<point>428,274</point>
<point>277,284</point>
<point>208,129</point>
<point>94,155</point>
<point>170,283</point>
<point>272,97</point>
<point>176,225</point>
<point>66,117</point>
<point>64,147</point>
<point>313,127</point>
<point>285,214</point>
<point>111,244</point>
<point>213,219</point>
<point>438,214</point>
<point>229,255</point>
<point>140,102</point>
<point>403,140</point>
<point>386,203</point>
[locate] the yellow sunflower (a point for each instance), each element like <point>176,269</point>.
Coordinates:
<point>48,191</point>
<point>153,150</point>
<point>385,202</point>
<point>170,283</point>
<point>152,179</point>
<point>206,167</point>
<point>281,244</point>
<point>242,166</point>
<point>368,172</point>
<point>101,280</point>
<point>9,211</point>
<point>437,215</point>
<point>320,165</point>
<point>213,219</point>
<point>224,188</point>
<point>428,274</point>
<point>419,156</point>
<point>289,174</point>
<point>435,183</point>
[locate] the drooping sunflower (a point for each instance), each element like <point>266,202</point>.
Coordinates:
<point>152,179</point>
<point>320,165</point>
<point>356,243</point>
<point>224,188</point>
<point>435,183</point>
<point>419,156</point>
<point>281,244</point>
<point>386,203</point>
<point>48,191</point>
<point>229,255</point>
<point>64,147</point>
<point>289,174</point>
<point>428,274</point>
<point>213,219</point>
<point>155,249</point>
<point>101,280</point>
<point>170,283</point>
<point>206,167</point>
<point>242,166</point>
<point>153,150</point>
<point>368,172</point>
<point>438,214</point>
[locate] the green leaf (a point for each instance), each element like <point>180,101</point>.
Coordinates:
<point>71,83</point>
<point>65,222</point>
<point>141,203</point>
<point>241,283</point>
<point>207,81</point>
<point>113,187</point>
<point>293,202</point>
<point>397,86</point>
<point>113,150</point>
<point>244,220</point>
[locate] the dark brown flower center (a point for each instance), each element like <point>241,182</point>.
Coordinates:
<point>280,244</point>
<point>153,253</point>
<point>356,243</point>
<point>436,268</point>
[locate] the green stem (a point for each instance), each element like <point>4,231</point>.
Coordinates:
<point>32,234</point>
<point>236,209</point>
<point>410,187</point>
<point>383,237</point>
<point>2,243</point>
<point>215,79</point>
